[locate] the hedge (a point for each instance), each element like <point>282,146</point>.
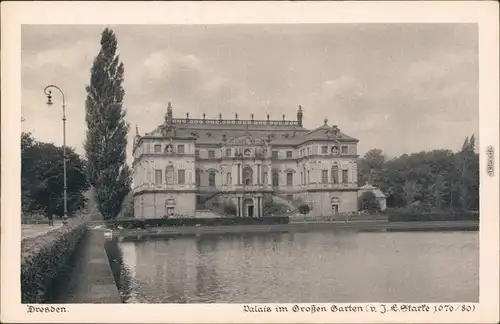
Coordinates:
<point>43,257</point>
<point>178,222</point>
<point>414,217</point>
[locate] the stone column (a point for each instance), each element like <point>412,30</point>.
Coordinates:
<point>262,206</point>
<point>269,174</point>
<point>239,179</point>
<point>238,211</point>
<point>258,173</point>
<point>241,207</point>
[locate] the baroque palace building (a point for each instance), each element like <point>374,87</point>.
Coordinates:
<point>184,162</point>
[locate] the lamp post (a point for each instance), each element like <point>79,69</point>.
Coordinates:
<point>48,93</point>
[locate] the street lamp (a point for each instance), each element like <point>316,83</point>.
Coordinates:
<point>48,93</point>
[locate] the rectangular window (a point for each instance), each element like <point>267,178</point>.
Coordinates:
<point>324,176</point>
<point>324,150</point>
<point>344,149</point>
<point>180,148</point>
<point>211,179</point>
<point>308,151</point>
<point>228,152</point>
<point>302,178</point>
<point>308,176</point>
<point>197,153</point>
<point>289,197</point>
<point>275,154</point>
<point>158,177</point>
<point>345,176</point>
<point>275,179</point>
<point>265,152</point>
<point>157,148</point>
<point>289,179</point>
<point>211,154</point>
<point>288,154</point>
<point>181,176</point>
<point>197,178</point>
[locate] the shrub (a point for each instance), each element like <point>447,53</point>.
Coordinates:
<point>230,208</point>
<point>368,201</point>
<point>178,222</point>
<point>34,219</point>
<point>271,207</point>
<point>43,257</point>
<point>442,216</point>
<point>304,209</point>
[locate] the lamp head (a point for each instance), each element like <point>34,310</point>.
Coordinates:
<point>49,99</point>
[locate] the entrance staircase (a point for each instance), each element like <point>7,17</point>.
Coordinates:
<point>206,213</point>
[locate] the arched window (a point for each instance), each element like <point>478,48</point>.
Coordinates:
<point>247,175</point>
<point>335,174</point>
<point>229,178</point>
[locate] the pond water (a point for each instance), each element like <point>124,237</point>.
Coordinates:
<point>323,266</point>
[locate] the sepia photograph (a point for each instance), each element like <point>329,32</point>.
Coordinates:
<point>281,167</point>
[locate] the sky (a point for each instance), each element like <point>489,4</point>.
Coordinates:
<point>402,88</point>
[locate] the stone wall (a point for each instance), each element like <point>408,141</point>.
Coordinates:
<point>322,205</point>
<point>154,205</point>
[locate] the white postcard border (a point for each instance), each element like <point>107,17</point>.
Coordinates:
<point>14,14</point>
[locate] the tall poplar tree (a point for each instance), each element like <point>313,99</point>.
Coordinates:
<point>107,130</point>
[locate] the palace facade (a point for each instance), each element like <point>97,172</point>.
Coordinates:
<point>184,163</point>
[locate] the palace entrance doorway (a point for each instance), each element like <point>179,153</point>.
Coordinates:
<point>248,207</point>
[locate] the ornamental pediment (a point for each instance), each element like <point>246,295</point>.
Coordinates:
<point>246,140</point>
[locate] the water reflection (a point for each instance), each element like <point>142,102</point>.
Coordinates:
<point>307,267</point>
<point>208,286</point>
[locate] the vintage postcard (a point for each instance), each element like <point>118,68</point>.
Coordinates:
<point>250,162</point>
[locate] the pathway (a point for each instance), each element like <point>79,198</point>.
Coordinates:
<point>33,230</point>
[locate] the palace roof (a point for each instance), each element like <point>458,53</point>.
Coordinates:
<point>215,131</point>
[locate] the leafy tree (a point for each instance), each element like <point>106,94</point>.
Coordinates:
<point>42,178</point>
<point>128,207</point>
<point>370,166</point>
<point>468,175</point>
<point>106,141</point>
<point>438,191</point>
<point>438,179</point>
<point>410,189</point>
<point>368,201</point>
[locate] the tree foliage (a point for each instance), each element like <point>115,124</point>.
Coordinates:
<point>107,130</point>
<point>230,208</point>
<point>42,178</point>
<point>434,180</point>
<point>304,209</point>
